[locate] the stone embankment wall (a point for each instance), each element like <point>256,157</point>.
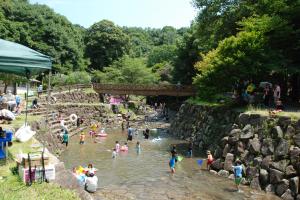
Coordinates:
<point>76,97</point>
<point>205,125</point>
<point>267,146</point>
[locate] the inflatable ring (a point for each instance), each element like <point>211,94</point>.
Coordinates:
<point>73,118</point>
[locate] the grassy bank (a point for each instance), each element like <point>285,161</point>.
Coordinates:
<point>12,188</point>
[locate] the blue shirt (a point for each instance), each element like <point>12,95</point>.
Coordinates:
<point>172,162</point>
<point>18,99</point>
<point>238,171</point>
<point>130,130</point>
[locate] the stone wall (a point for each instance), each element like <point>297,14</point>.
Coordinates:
<point>267,146</point>
<point>205,125</point>
<point>77,97</point>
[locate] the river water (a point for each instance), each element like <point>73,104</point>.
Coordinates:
<point>147,175</point>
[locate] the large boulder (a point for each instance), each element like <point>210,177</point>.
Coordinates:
<point>284,122</point>
<point>232,140</point>
<point>263,177</point>
<point>290,132</point>
<point>290,171</point>
<point>282,149</point>
<point>239,148</point>
<point>243,118</point>
<point>267,147</point>
<point>294,185</point>
<point>276,132</point>
<point>275,176</point>
<point>217,165</point>
<point>254,146</point>
<point>287,195</point>
<point>295,155</point>
<point>282,187</point>
<point>223,173</point>
<point>251,172</point>
<point>297,139</point>
<point>280,165</point>
<point>270,188</point>
<point>226,150</point>
<point>229,162</point>
<point>266,162</point>
<point>247,132</point>
<point>235,132</point>
<point>257,161</point>
<point>254,184</point>
<point>224,141</point>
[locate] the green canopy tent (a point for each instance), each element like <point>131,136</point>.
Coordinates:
<point>21,60</point>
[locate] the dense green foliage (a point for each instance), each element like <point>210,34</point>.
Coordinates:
<point>38,27</point>
<point>229,41</point>
<point>239,40</point>
<point>105,43</point>
<point>127,71</point>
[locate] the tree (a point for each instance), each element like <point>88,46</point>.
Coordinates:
<point>163,53</point>
<point>127,71</point>
<point>38,27</point>
<point>105,43</point>
<point>245,56</point>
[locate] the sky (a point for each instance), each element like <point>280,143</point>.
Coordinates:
<point>138,13</point>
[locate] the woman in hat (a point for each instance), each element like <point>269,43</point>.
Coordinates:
<point>210,159</point>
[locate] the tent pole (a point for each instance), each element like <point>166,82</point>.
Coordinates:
<point>26,109</point>
<point>48,95</point>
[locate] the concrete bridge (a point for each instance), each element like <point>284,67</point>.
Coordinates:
<point>145,90</point>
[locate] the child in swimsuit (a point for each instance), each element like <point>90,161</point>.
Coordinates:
<point>209,160</point>
<point>117,147</point>
<point>172,164</point>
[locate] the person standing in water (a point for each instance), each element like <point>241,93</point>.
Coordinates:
<point>117,147</point>
<point>114,153</point>
<point>81,138</point>
<point>174,153</point>
<point>138,147</point>
<point>130,133</point>
<point>238,169</point>
<point>65,137</point>
<point>172,163</point>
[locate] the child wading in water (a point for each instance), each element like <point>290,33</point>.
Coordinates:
<point>210,159</point>
<point>65,137</point>
<point>238,169</point>
<point>114,153</point>
<point>138,147</point>
<point>117,147</point>
<point>81,139</point>
<point>172,164</point>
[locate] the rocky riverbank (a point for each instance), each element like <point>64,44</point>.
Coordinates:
<point>267,146</point>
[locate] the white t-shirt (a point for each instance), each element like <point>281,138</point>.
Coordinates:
<point>91,183</point>
<point>114,154</point>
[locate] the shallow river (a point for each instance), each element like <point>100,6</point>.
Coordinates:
<point>147,175</point>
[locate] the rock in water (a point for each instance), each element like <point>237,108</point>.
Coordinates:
<point>294,185</point>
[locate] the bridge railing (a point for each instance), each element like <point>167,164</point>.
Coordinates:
<point>172,90</point>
